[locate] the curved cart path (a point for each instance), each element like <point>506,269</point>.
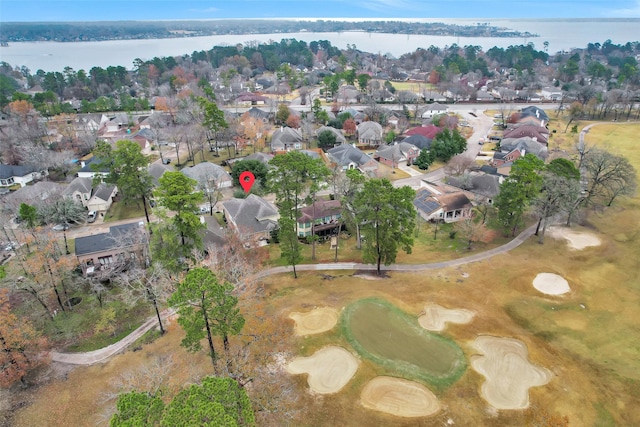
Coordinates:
<point>101,355</point>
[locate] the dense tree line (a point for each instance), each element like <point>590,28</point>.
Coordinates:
<point>109,30</point>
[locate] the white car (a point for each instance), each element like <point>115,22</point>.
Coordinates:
<point>11,246</point>
<point>60,227</point>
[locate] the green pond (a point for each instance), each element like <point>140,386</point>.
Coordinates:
<point>386,335</point>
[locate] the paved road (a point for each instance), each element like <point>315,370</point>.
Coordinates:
<point>101,355</point>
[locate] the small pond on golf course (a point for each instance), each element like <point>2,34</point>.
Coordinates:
<point>386,335</point>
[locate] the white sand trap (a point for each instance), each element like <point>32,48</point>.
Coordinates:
<point>315,321</point>
<point>575,239</point>
<point>434,317</point>
<point>329,369</point>
<point>551,284</point>
<point>508,372</point>
<point>399,397</point>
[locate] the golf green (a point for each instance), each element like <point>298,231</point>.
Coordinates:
<point>386,335</point>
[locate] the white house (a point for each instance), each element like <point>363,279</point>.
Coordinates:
<point>16,174</point>
<point>434,109</point>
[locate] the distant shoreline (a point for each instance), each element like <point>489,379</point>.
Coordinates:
<point>142,30</point>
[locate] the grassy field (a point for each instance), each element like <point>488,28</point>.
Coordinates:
<point>410,86</point>
<point>426,248</point>
<point>587,338</point>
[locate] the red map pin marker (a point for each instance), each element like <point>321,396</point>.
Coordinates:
<point>246,180</point>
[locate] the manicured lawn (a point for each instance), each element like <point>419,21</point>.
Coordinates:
<point>119,210</point>
<point>390,338</point>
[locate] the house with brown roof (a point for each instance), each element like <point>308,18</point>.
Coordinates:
<point>321,218</point>
<point>442,203</point>
<point>248,99</point>
<point>536,133</point>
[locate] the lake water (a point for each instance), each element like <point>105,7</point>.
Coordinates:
<point>561,34</point>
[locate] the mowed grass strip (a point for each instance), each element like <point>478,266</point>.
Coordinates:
<point>391,338</point>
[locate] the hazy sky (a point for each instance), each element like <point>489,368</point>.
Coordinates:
<point>101,10</point>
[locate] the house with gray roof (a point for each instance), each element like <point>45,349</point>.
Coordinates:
<point>259,114</point>
<point>114,250</point>
<point>399,153</point>
<point>102,197</point>
<point>349,157</point>
<point>484,187</point>
<point>79,190</point>
<point>156,170</point>
<point>261,157</point>
<point>526,144</point>
<point>419,141</point>
<point>37,195</point>
<point>433,110</point>
<point>287,139</point>
<point>369,133</point>
<point>340,139</point>
<point>253,218</point>
<point>207,173</point>
<point>534,111</point>
<point>11,175</point>
<point>88,170</point>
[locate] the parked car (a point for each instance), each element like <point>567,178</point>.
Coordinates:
<point>60,227</point>
<point>91,217</point>
<point>11,246</point>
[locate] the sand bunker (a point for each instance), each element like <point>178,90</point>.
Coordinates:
<point>399,397</point>
<point>314,322</point>
<point>508,372</point>
<point>551,284</point>
<point>329,369</point>
<point>434,317</point>
<point>575,239</point>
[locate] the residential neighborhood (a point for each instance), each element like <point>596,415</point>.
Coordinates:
<point>241,221</point>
